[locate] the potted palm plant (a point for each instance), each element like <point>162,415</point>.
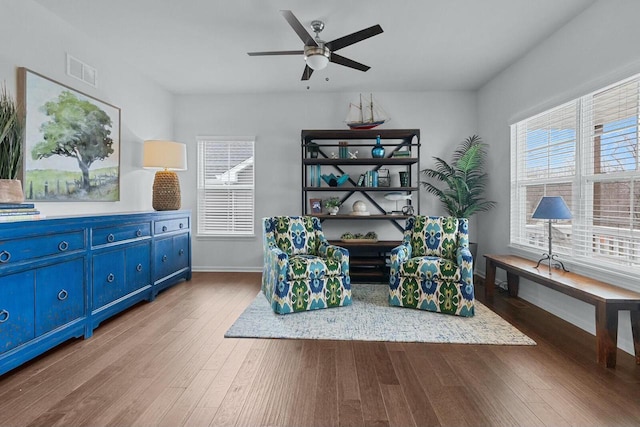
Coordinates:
<point>10,149</point>
<point>460,185</point>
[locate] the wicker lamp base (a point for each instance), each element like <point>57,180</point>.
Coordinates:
<point>166,191</point>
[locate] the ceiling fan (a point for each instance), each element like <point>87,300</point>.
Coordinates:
<point>318,53</point>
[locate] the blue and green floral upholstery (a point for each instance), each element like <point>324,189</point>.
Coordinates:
<point>302,271</point>
<point>433,269</point>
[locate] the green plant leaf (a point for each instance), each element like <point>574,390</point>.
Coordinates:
<point>10,136</point>
<point>461,184</point>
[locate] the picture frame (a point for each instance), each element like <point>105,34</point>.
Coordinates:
<point>315,206</point>
<point>71,143</point>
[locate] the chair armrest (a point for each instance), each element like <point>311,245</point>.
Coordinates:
<point>400,254</point>
<point>277,252</point>
<point>274,274</point>
<point>465,264</point>
<point>327,250</point>
<point>337,253</point>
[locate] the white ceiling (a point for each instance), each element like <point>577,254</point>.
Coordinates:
<point>200,46</point>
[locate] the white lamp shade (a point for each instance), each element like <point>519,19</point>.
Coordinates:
<point>317,61</point>
<point>167,155</point>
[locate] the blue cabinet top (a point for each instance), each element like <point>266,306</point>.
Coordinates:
<point>19,229</point>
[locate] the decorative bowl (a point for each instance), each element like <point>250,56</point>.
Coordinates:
<point>342,179</point>
<point>334,181</point>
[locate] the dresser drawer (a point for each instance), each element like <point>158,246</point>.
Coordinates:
<point>103,236</point>
<point>108,278</point>
<point>60,295</point>
<point>13,251</point>
<point>138,266</point>
<point>169,225</point>
<point>16,310</point>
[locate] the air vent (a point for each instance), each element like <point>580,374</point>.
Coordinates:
<point>82,71</point>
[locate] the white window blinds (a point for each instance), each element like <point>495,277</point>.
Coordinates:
<point>609,205</point>
<point>587,152</point>
<point>226,186</point>
<point>543,164</point>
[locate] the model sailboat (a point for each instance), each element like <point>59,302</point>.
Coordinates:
<point>366,116</point>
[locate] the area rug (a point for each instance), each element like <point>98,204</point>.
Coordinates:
<point>370,318</point>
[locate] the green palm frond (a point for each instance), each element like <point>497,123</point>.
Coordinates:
<point>10,137</point>
<point>461,184</point>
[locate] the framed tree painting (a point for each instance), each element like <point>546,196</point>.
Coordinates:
<point>72,143</point>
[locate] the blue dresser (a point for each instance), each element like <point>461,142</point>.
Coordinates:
<point>61,277</point>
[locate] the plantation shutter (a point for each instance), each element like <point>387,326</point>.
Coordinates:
<point>543,162</point>
<point>610,207</point>
<point>226,186</point>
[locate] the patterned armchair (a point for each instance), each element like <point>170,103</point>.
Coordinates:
<point>433,269</point>
<point>302,271</point>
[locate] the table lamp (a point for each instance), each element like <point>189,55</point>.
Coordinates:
<point>167,157</point>
<point>551,208</point>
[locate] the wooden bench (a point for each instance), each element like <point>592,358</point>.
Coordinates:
<point>608,299</point>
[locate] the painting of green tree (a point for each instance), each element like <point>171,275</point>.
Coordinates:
<point>72,144</point>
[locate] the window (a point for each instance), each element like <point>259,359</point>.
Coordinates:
<point>587,152</point>
<point>226,186</point>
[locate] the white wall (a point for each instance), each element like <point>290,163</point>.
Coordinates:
<point>444,118</point>
<point>34,38</point>
<point>597,48</point>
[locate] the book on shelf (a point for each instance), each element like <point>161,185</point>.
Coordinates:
<point>371,178</point>
<point>27,211</point>
<point>4,206</point>
<point>12,218</point>
<point>401,153</point>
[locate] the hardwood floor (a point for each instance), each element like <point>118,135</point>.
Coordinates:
<point>166,363</point>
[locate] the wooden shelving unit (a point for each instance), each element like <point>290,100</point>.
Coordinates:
<point>327,142</point>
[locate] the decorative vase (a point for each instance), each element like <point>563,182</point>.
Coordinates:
<point>11,191</point>
<point>404,179</point>
<point>313,150</point>
<point>377,152</point>
<point>333,210</point>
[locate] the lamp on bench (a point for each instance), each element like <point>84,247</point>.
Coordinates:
<point>551,208</point>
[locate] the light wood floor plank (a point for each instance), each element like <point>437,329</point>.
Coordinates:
<point>167,363</point>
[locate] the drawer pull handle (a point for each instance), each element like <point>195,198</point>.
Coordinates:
<point>111,277</point>
<point>62,295</point>
<point>110,238</point>
<point>181,225</point>
<point>5,256</point>
<point>138,233</point>
<point>164,228</point>
<point>181,252</point>
<point>164,258</point>
<point>139,267</point>
<point>4,316</point>
<point>63,246</point>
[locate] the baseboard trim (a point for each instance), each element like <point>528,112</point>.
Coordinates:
<point>210,269</point>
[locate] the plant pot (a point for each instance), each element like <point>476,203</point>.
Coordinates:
<point>11,191</point>
<point>333,210</point>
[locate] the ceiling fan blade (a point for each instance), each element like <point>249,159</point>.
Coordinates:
<point>306,74</point>
<point>298,28</point>
<point>277,52</point>
<point>335,58</point>
<point>354,38</point>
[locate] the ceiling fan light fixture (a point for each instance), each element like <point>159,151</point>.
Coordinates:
<point>317,57</point>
